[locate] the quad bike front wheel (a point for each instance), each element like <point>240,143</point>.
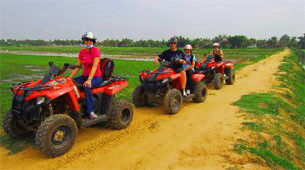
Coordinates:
<point>200,92</point>
<point>121,115</point>
<point>218,81</point>
<point>56,135</point>
<point>172,101</point>
<point>230,73</point>
<point>13,128</point>
<point>138,97</point>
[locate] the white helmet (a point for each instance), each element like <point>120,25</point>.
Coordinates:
<point>188,47</point>
<point>216,45</point>
<point>89,35</point>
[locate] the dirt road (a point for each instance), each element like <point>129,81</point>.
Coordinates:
<point>200,136</point>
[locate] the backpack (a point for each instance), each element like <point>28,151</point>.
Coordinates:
<point>106,66</point>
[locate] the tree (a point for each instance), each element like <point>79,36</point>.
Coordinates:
<point>293,42</point>
<point>302,41</point>
<point>238,41</point>
<point>272,42</point>
<point>284,41</point>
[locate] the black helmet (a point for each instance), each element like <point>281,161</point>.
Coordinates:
<point>173,40</point>
<point>90,36</point>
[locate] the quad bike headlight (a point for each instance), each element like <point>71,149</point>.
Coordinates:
<point>40,100</point>
<point>141,78</point>
<point>165,80</point>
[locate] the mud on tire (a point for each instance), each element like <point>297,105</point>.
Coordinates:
<point>138,97</point>
<point>56,135</point>
<point>121,115</point>
<point>200,92</point>
<point>230,72</point>
<point>13,128</point>
<point>218,81</point>
<point>172,101</point>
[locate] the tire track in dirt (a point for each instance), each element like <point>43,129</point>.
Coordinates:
<point>199,136</point>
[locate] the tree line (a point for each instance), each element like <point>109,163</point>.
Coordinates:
<point>236,41</point>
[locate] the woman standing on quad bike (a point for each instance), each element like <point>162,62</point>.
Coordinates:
<point>172,54</point>
<point>89,57</point>
<point>189,66</point>
<point>217,52</point>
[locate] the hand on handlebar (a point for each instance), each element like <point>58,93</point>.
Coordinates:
<point>182,61</point>
<point>156,62</point>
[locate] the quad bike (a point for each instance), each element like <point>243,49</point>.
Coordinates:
<point>163,85</point>
<point>217,72</point>
<point>54,108</point>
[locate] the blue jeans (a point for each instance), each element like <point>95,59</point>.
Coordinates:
<point>96,81</point>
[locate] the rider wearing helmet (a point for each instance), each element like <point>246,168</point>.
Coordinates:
<point>189,66</point>
<point>172,54</point>
<point>90,58</point>
<point>217,52</point>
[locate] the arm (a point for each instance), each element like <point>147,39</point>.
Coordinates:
<point>76,70</point>
<point>156,60</point>
<point>182,59</point>
<point>93,69</point>
<point>96,61</point>
<point>193,65</point>
<point>221,54</point>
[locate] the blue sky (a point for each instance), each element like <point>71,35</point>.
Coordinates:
<point>150,19</point>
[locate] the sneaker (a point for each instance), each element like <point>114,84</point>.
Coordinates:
<point>92,115</point>
<point>188,92</point>
<point>184,93</point>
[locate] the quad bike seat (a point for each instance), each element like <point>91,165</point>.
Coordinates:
<point>219,64</point>
<point>107,67</point>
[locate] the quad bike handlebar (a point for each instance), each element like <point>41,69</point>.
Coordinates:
<point>175,60</point>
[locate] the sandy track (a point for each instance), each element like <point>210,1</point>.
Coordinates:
<point>199,136</point>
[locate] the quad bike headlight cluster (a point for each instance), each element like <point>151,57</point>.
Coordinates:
<point>165,80</point>
<point>40,100</point>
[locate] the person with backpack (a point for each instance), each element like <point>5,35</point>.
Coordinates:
<point>89,57</point>
<point>189,67</point>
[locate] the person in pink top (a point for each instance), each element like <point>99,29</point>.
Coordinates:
<point>90,58</point>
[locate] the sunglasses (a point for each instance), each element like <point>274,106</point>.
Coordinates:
<point>87,39</point>
<point>173,43</point>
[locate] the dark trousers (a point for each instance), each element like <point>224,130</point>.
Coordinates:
<point>96,81</point>
<point>189,82</point>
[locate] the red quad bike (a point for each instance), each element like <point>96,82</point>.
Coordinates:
<point>217,72</point>
<point>54,108</point>
<point>163,85</point>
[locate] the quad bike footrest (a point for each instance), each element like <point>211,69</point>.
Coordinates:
<point>89,122</point>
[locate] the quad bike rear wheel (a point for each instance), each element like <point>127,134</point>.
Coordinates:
<point>200,92</point>
<point>56,135</point>
<point>138,97</point>
<point>218,81</point>
<point>13,128</point>
<point>230,73</point>
<point>121,115</point>
<point>172,101</point>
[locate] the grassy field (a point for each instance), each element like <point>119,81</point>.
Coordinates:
<point>140,51</point>
<point>276,121</point>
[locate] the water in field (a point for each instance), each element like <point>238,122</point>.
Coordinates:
<point>121,57</point>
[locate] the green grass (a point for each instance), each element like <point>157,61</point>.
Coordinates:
<point>142,51</point>
<point>253,126</point>
<point>271,114</point>
<point>263,152</point>
<point>265,103</point>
